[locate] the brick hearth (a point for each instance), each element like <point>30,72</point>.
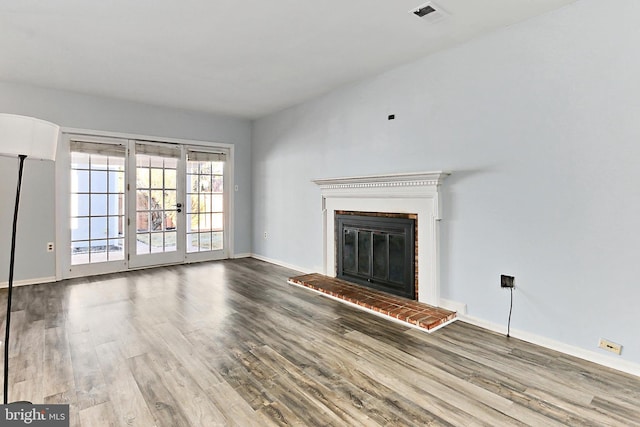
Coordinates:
<point>413,312</point>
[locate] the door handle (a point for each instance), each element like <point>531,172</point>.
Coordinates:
<point>179,205</point>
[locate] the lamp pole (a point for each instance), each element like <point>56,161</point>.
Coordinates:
<point>11,265</point>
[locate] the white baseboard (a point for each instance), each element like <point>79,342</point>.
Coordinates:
<point>588,355</point>
<point>26,282</point>
<point>244,255</point>
<point>456,306</point>
<point>283,264</point>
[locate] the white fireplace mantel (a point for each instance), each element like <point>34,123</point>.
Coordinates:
<point>412,193</point>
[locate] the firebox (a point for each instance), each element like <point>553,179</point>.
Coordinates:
<point>377,252</point>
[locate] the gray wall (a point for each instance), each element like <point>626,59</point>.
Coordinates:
<point>95,113</point>
<point>538,123</point>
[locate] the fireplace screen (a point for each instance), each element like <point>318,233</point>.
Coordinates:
<point>377,252</point>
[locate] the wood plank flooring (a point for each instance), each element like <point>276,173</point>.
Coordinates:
<point>231,343</point>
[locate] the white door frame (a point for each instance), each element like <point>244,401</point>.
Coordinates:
<point>62,180</point>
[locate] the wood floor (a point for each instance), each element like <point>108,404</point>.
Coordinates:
<point>231,343</point>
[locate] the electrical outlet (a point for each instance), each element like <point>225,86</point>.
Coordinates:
<point>507,281</point>
<point>265,235</point>
<point>610,346</point>
<point>50,247</point>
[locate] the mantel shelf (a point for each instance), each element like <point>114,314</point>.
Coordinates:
<point>388,180</point>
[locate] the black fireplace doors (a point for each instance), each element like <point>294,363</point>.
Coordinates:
<point>377,252</point>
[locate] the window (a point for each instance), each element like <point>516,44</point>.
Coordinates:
<point>156,198</point>
<point>97,202</point>
<point>205,201</point>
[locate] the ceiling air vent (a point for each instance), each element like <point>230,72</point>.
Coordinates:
<point>429,11</point>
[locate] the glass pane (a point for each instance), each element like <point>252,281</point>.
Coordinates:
<point>142,178</point>
<point>205,203</point>
<point>99,162</point>
<point>170,241</point>
<point>116,227</point>
<point>142,221</point>
<point>157,178</point>
<point>142,202</point>
<point>204,186</point>
<point>170,220</point>
<point>98,204</point>
<point>193,205</point>
<point>380,260</point>
<point>98,251</point>
<point>156,162</point>
<point>116,182</point>
<point>205,241</point>
<point>116,163</point>
<point>349,250</point>
<point>79,228</point>
<point>79,205</point>
<point>205,221</point>
<point>157,199</point>
<point>98,228</point>
<point>192,222</point>
<point>79,181</point>
<point>142,243</point>
<point>217,184</point>
<point>170,178</point>
<point>396,258</point>
<point>116,204</point>
<point>98,181</point>
<point>142,160</point>
<point>217,221</point>
<point>205,168</point>
<point>192,183</point>
<point>192,242</point>
<point>216,241</point>
<point>170,163</point>
<point>157,244</point>
<point>79,253</point>
<point>218,168</point>
<point>116,250</point>
<point>364,252</point>
<point>170,199</point>
<point>79,161</point>
<point>157,218</point>
<point>192,167</point>
<point>216,203</point>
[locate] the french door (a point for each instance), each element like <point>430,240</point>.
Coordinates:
<point>156,196</point>
<point>135,204</point>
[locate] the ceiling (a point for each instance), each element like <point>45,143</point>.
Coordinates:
<point>244,58</point>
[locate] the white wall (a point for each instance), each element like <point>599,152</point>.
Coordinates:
<point>88,112</point>
<point>539,123</point>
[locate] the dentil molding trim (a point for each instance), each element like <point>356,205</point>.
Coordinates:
<point>389,180</point>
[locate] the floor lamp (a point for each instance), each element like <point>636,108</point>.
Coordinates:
<point>22,137</point>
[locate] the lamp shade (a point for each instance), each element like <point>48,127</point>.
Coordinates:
<point>35,138</point>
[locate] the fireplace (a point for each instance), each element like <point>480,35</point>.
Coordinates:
<point>377,251</point>
<point>407,193</point>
